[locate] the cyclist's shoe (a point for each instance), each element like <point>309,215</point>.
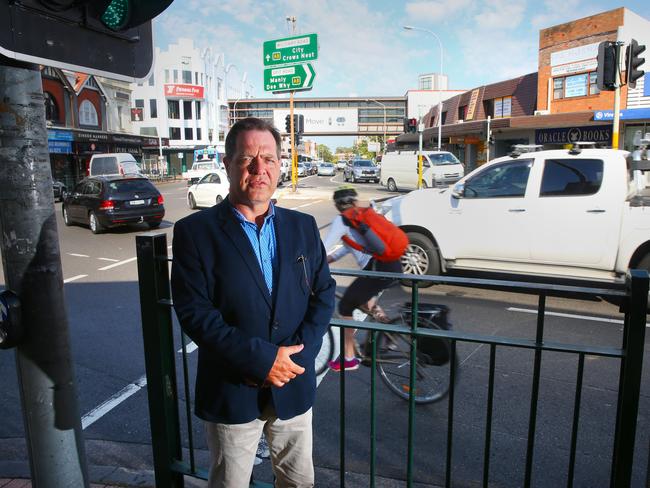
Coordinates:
<point>349,364</point>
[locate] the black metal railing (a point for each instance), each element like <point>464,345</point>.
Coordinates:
<point>153,270</point>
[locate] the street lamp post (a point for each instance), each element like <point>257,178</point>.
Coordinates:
<point>384,107</point>
<point>410,27</point>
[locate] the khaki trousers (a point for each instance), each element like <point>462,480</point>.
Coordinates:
<point>233,447</point>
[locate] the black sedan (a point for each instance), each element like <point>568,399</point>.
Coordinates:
<point>109,201</point>
<point>58,189</point>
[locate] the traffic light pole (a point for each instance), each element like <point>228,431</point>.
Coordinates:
<point>294,156</point>
<point>32,268</point>
<point>617,98</point>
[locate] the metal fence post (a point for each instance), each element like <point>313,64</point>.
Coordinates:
<point>153,278</point>
<point>631,365</point>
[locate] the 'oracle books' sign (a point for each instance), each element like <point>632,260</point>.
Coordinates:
<point>183,91</point>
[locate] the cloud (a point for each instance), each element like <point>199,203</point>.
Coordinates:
<point>501,14</point>
<point>556,12</point>
<point>435,10</point>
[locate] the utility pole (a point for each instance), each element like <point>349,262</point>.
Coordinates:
<point>420,131</point>
<point>489,140</point>
<point>32,267</point>
<point>291,20</point>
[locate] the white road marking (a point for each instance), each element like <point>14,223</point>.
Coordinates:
<point>74,278</point>
<point>570,316</point>
<point>78,255</point>
<point>308,204</point>
<point>109,259</point>
<point>119,263</point>
<point>99,411</point>
<point>190,347</point>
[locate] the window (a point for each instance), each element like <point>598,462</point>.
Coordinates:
<point>139,103</point>
<point>166,76</point>
<point>198,110</point>
<point>175,76</point>
<point>462,112</point>
<point>502,107</point>
<point>571,177</point>
<point>175,133</point>
<point>51,108</point>
<point>173,109</point>
<point>153,108</point>
<point>151,80</point>
<point>580,85</point>
<point>88,114</point>
<point>198,133</point>
<point>187,76</point>
<point>196,77</point>
<point>189,134</point>
<point>187,109</point>
<point>222,136</point>
<point>508,179</point>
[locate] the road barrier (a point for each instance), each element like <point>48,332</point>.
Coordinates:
<point>162,382</point>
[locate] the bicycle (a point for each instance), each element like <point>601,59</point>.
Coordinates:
<point>394,353</point>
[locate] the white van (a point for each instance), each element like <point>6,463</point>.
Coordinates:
<point>399,170</point>
<point>113,164</point>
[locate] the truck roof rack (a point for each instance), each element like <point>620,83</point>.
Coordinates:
<point>519,149</point>
<point>578,146</point>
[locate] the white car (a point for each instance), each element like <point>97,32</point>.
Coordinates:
<point>340,165</point>
<point>302,169</point>
<point>210,190</point>
<point>326,169</point>
<point>285,169</point>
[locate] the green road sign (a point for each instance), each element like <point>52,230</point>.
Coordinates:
<point>291,50</point>
<point>288,78</point>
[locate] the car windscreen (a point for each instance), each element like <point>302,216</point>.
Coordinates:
<point>443,158</point>
<point>128,186</point>
<point>363,162</point>
<point>104,166</point>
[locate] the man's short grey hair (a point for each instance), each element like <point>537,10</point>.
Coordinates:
<point>249,124</point>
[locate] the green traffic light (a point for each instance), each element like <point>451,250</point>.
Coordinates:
<point>117,14</point>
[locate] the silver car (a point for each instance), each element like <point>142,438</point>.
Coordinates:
<point>326,169</point>
<point>361,170</point>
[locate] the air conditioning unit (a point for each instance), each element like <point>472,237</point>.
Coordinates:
<point>542,112</point>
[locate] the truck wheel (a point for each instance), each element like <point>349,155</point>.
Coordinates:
<point>390,184</point>
<point>66,218</point>
<point>219,199</point>
<point>420,257</point>
<point>191,202</point>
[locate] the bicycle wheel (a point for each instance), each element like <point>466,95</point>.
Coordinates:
<point>394,367</point>
<point>326,353</point>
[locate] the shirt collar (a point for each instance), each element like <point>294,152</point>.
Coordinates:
<point>270,214</point>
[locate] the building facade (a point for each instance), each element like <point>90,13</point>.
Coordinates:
<point>185,100</point>
<point>555,107</point>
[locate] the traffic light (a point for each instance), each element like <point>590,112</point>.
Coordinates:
<point>606,71</point>
<point>633,61</point>
<point>287,124</point>
<point>110,38</point>
<point>413,125</point>
<point>490,138</point>
<point>299,125</point>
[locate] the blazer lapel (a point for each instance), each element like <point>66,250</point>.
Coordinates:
<point>232,228</point>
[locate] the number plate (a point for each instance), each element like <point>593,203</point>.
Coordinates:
<point>136,202</point>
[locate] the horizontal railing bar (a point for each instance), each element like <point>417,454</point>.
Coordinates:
<point>166,301</point>
<point>602,289</point>
<point>482,339</point>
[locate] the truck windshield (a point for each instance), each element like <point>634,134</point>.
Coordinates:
<point>443,158</point>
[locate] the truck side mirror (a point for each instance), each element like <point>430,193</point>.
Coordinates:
<point>11,327</point>
<point>458,190</point>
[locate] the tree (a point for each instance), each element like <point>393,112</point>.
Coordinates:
<point>325,153</point>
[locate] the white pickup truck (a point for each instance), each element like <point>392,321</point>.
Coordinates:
<point>581,214</point>
<point>200,169</point>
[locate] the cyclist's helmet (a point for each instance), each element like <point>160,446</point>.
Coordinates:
<point>345,196</point>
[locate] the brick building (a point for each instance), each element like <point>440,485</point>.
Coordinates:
<point>558,105</point>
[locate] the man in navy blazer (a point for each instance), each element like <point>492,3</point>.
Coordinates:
<point>252,288</point>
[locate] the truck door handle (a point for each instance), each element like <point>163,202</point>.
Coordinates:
<point>596,210</point>
<point>517,210</point>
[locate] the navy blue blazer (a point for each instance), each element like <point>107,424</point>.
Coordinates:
<point>224,306</point>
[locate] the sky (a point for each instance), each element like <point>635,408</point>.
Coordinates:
<point>363,48</point>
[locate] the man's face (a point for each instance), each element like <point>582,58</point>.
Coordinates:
<point>254,169</point>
